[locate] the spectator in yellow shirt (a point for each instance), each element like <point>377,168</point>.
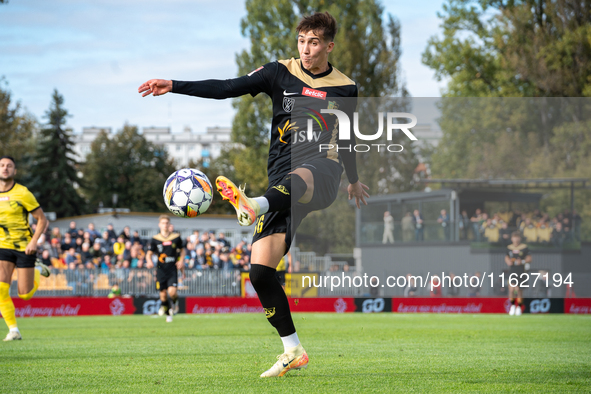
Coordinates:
<point>544,232</point>
<point>491,231</point>
<point>119,246</point>
<point>530,232</point>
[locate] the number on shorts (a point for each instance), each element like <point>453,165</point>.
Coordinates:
<point>259,226</point>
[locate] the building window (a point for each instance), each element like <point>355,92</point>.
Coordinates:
<point>178,147</point>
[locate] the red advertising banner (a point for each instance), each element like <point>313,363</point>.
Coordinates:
<point>450,305</point>
<point>73,306</point>
<point>248,305</point>
<point>222,305</point>
<point>87,306</point>
<point>577,305</point>
<point>338,305</point>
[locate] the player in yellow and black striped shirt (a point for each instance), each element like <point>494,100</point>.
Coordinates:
<point>18,244</point>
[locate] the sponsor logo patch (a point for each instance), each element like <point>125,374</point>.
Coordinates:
<point>282,189</point>
<point>286,127</point>
<point>314,93</point>
<point>288,104</point>
<point>269,312</point>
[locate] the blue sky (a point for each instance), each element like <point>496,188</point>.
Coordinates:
<point>96,53</point>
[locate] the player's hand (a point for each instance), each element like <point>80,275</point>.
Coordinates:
<point>358,190</point>
<point>31,247</point>
<point>155,87</point>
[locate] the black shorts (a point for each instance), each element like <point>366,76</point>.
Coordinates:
<point>166,278</point>
<point>517,269</point>
<point>327,178</point>
<point>21,259</point>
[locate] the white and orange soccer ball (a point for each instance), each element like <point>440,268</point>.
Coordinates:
<point>187,193</point>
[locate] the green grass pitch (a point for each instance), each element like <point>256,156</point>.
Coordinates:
<point>348,353</point>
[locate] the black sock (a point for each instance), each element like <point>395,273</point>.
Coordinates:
<point>171,301</point>
<point>291,188</point>
<point>272,298</point>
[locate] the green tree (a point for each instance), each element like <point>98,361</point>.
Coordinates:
<point>54,172</point>
<point>129,166</point>
<point>517,48</point>
<point>522,48</point>
<point>17,129</point>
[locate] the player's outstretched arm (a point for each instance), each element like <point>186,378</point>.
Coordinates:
<point>359,191</point>
<point>42,222</point>
<point>155,87</point>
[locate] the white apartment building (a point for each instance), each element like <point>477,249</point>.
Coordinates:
<point>427,134</point>
<point>183,147</point>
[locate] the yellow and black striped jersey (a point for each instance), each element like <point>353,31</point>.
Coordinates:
<point>15,206</point>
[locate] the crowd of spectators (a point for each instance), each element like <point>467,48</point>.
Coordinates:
<point>536,227</point>
<point>87,248</point>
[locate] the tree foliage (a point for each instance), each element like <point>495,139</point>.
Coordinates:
<point>516,48</point>
<point>129,166</point>
<point>532,49</point>
<point>54,171</point>
<point>491,48</point>
<point>17,129</point>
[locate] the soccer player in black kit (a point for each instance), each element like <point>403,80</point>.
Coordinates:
<point>300,180</point>
<point>518,259</point>
<point>168,247</point>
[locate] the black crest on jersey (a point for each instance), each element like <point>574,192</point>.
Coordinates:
<point>288,104</point>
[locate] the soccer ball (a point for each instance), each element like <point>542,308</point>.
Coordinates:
<point>187,193</point>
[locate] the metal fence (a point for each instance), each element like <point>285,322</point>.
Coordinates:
<point>134,282</point>
<point>142,282</point>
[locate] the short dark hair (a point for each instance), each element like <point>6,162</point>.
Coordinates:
<point>9,158</point>
<point>321,23</point>
<point>515,234</point>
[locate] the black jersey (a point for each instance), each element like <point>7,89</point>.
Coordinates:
<point>167,249</point>
<point>284,81</point>
<point>517,253</point>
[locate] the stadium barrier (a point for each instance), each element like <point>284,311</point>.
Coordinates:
<point>195,282</point>
<point>133,282</point>
<point>86,306</point>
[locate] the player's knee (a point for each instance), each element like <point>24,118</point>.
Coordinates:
<point>260,276</point>
<point>27,296</point>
